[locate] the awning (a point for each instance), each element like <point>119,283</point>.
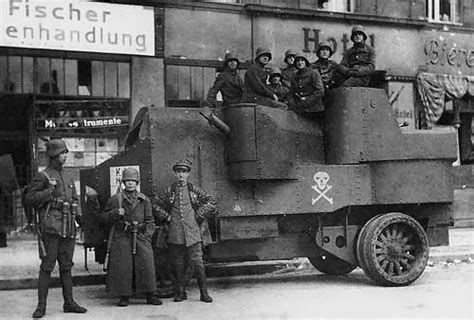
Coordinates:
<point>434,87</point>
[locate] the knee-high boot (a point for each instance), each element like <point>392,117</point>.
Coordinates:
<point>201,280</point>
<point>69,304</point>
<point>180,293</point>
<point>43,287</point>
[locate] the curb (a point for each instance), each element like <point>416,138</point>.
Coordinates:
<point>225,270</point>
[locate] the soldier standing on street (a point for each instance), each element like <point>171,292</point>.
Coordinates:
<point>289,71</point>
<point>185,207</point>
<point>47,193</point>
<point>256,89</point>
<point>228,82</point>
<point>358,63</point>
<point>131,265</point>
<point>307,89</point>
<point>328,69</point>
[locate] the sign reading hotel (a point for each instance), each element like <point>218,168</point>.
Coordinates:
<point>77,26</point>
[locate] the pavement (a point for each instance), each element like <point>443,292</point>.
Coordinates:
<point>19,262</point>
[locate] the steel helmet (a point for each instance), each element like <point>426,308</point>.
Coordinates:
<point>230,56</point>
<point>325,44</point>
<point>289,52</point>
<point>275,71</point>
<point>183,164</point>
<point>358,29</point>
<point>130,174</point>
<point>55,147</point>
<point>262,51</point>
<point>301,55</point>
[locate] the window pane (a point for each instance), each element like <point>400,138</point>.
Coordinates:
<point>14,73</point>
<point>70,78</point>
<point>84,73</point>
<point>3,74</point>
<point>44,75</point>
<point>124,80</point>
<point>110,79</point>
<point>97,78</point>
<point>57,75</point>
<point>28,75</point>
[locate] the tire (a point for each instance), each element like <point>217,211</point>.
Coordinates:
<point>360,244</point>
<point>330,264</point>
<point>395,249</point>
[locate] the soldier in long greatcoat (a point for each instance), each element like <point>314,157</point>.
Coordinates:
<point>228,82</point>
<point>185,209</point>
<point>358,63</point>
<point>52,199</point>
<point>130,216</point>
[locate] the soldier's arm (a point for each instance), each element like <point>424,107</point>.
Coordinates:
<point>149,220</point>
<point>317,84</point>
<point>344,65</point>
<point>212,94</point>
<point>159,206</point>
<point>370,63</point>
<point>111,211</point>
<point>257,85</point>
<point>39,191</point>
<point>206,204</point>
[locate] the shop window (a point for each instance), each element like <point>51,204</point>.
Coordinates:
<point>84,78</point>
<point>446,11</point>
<point>71,77</point>
<point>64,77</point>
<point>83,152</point>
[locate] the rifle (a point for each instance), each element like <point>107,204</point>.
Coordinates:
<point>112,230</point>
<point>39,235</point>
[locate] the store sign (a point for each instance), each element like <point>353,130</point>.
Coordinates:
<point>77,26</point>
<point>87,123</point>
<point>451,54</point>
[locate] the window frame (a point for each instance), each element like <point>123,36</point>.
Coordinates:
<point>433,6</point>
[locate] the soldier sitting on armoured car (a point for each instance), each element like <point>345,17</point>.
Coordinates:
<point>307,89</point>
<point>358,63</point>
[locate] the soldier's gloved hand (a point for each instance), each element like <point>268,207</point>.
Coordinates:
<point>199,218</point>
<point>52,184</point>
<point>121,212</point>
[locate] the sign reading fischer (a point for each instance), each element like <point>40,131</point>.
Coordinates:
<point>77,26</point>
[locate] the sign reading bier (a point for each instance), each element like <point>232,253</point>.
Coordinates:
<point>77,26</point>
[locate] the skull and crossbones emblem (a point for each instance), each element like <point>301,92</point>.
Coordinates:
<point>321,187</point>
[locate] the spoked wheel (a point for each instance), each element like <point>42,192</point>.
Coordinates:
<point>360,245</point>
<point>330,264</point>
<point>394,249</point>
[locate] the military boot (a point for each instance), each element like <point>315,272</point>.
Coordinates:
<point>123,302</point>
<point>180,293</point>
<point>202,283</point>
<point>43,286</point>
<point>69,304</point>
<point>152,299</point>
